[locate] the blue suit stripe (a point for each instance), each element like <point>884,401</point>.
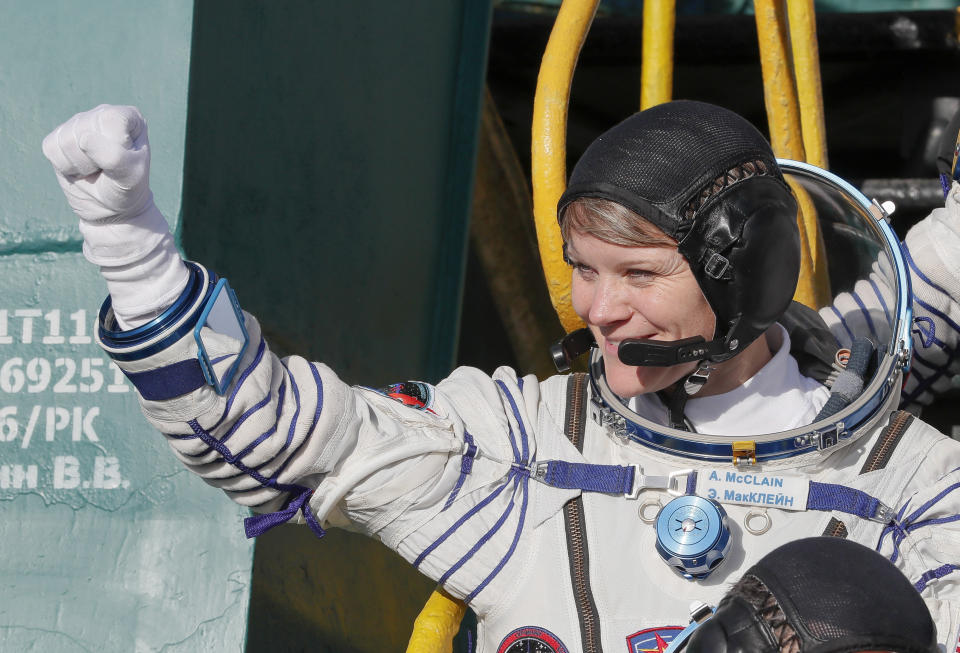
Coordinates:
<point>238,384</point>
<point>866,314</point>
<point>919,273</point>
<point>525,480</point>
<point>460,522</point>
<point>525,457</point>
<point>843,323</point>
<point>883,303</point>
<point>233,460</point>
<point>485,537</point>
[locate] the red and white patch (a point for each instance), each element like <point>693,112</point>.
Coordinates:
<point>652,640</point>
<point>531,639</point>
<point>415,394</point>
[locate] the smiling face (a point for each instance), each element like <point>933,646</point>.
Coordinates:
<point>625,292</point>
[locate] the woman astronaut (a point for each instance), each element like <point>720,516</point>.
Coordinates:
<point>584,512</point>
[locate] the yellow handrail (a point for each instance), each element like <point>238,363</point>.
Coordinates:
<point>437,624</point>
<point>656,73</point>
<point>814,286</point>
<point>549,146</point>
<point>787,123</point>
<point>806,68</point>
<point>779,95</point>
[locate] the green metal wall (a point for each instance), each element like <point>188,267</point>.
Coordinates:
<point>107,544</point>
<point>329,161</point>
<point>324,156</point>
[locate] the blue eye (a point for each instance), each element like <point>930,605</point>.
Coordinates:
<point>582,270</point>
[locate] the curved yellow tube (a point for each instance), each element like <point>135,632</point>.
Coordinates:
<point>437,624</point>
<point>806,68</point>
<point>779,95</point>
<point>656,70</point>
<point>548,154</point>
<point>813,287</point>
<point>787,136</point>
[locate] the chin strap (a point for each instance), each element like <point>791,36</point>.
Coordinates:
<point>677,400</point>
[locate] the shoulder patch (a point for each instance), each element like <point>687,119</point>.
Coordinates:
<point>415,394</point>
<point>531,639</point>
<point>652,640</point>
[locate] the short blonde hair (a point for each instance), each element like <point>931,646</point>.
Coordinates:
<point>612,223</point>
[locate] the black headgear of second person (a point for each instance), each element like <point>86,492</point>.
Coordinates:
<point>819,595</point>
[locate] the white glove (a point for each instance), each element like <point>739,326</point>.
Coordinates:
<point>102,161</point>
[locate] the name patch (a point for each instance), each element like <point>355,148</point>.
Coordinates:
<point>767,490</point>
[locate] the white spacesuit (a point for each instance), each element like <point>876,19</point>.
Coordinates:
<point>538,503</point>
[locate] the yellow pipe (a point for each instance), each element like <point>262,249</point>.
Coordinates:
<point>788,138</point>
<point>548,153</point>
<point>656,70</point>
<point>813,287</point>
<point>806,67</point>
<point>779,95</point>
<point>437,624</point>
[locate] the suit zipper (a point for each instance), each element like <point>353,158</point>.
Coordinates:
<point>891,437</point>
<point>576,530</point>
<point>835,528</point>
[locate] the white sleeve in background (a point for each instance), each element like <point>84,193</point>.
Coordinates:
<point>933,258</point>
<point>932,253</point>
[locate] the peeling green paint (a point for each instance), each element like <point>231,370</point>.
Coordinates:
<point>109,545</point>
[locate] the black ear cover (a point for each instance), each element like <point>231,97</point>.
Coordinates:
<point>744,250</point>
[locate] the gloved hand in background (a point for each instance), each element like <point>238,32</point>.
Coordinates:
<point>102,161</point>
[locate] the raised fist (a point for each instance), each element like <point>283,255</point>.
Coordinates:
<point>102,161</point>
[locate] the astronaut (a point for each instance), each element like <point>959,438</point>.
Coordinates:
<point>585,512</point>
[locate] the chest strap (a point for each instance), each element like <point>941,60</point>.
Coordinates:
<point>889,438</point>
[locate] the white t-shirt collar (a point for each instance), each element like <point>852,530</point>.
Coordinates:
<point>777,398</point>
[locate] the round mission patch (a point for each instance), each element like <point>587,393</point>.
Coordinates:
<point>531,639</point>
